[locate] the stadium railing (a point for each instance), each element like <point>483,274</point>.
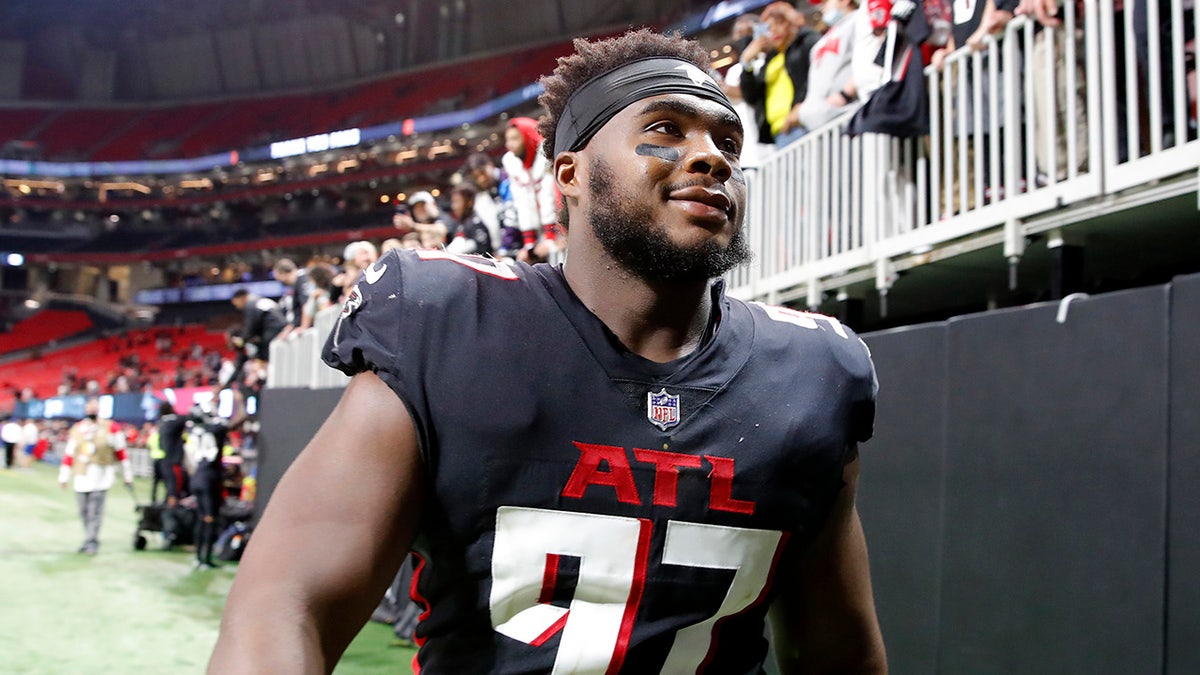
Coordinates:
<point>997,166</point>
<point>296,360</point>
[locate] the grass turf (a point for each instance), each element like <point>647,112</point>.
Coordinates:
<point>122,611</point>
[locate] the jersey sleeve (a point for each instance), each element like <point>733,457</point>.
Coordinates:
<point>380,330</point>
<point>862,412</point>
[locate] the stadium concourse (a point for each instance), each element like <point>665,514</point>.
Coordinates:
<point>157,158</point>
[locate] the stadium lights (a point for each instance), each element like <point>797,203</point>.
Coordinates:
<point>722,62</point>
<point>197,184</point>
<point>25,186</point>
<point>383,199</point>
<point>15,260</point>
<point>105,188</point>
<point>32,304</point>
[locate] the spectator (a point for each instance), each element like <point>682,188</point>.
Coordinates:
<point>973,22</point>
<point>424,218</point>
<point>10,434</point>
<point>775,72</point>
<point>742,34</point>
<point>298,287</point>
<point>262,322</point>
<point>470,235</point>
<point>29,438</point>
<point>493,202</point>
<point>534,195</point>
<point>830,83</point>
<point>320,295</point>
<point>94,448</point>
<point>358,256</point>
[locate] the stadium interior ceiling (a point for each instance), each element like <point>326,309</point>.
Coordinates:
<point>125,42</point>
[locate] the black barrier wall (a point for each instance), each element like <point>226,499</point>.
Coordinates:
<point>900,490</point>
<point>1015,496</point>
<point>289,418</point>
<point>1183,488</point>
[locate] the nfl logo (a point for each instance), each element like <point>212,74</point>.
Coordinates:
<point>662,409</point>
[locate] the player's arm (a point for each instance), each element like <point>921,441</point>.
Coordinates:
<point>337,528</point>
<point>824,620</point>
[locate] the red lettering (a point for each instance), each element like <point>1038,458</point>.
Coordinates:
<point>666,472</point>
<point>587,472</point>
<point>721,493</point>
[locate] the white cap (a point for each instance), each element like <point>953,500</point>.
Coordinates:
<point>422,197</point>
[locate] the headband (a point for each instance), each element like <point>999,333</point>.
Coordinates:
<point>603,96</point>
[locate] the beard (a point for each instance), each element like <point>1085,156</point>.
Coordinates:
<point>627,231</point>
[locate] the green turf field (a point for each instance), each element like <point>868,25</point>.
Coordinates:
<point>122,611</point>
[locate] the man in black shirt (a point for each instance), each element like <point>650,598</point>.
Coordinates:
<point>299,287</point>
<point>262,322</point>
<point>171,428</point>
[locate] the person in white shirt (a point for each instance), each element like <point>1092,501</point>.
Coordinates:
<point>10,434</point>
<point>29,438</point>
<point>94,448</point>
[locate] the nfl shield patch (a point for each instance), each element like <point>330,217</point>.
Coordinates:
<point>662,409</point>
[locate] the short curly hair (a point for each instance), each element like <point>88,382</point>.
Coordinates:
<point>596,58</point>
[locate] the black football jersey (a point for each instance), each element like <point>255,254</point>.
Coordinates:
<point>592,511</point>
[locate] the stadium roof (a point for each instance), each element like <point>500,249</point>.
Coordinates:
<point>141,50</point>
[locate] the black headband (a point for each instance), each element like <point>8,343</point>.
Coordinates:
<point>603,96</point>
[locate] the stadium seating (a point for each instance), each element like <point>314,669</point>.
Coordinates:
<point>191,130</point>
<point>43,328</point>
<point>96,359</point>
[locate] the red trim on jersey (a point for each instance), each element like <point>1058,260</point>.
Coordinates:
<point>415,594</point>
<point>549,578</point>
<point>120,455</point>
<point>551,631</point>
<point>68,460</point>
<point>635,599</point>
<point>712,644</point>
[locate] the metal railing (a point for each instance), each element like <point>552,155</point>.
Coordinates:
<point>1029,125</point>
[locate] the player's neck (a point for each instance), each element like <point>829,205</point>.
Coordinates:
<point>659,322</point>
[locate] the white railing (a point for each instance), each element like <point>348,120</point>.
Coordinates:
<point>1027,126</point>
<point>296,360</point>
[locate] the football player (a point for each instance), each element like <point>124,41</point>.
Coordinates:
<point>603,466</point>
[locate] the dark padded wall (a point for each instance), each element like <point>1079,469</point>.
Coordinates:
<point>1054,547</point>
<point>289,419</point>
<point>1183,582</point>
<point>899,495</point>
